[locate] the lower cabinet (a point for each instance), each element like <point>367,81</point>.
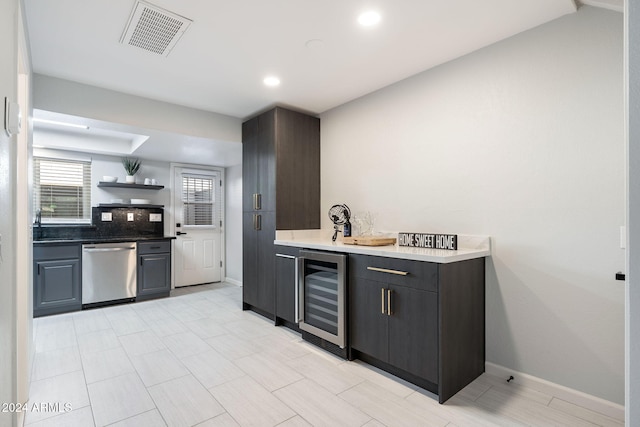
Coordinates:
<point>286,259</point>
<point>154,270</point>
<point>421,321</point>
<point>57,279</point>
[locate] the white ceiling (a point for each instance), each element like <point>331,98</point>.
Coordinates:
<point>219,63</point>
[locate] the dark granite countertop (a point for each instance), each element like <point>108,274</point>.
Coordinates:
<point>58,241</point>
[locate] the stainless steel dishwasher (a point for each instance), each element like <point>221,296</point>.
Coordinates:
<point>108,272</point>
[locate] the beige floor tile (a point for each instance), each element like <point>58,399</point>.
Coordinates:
<point>90,321</point>
<point>141,343</point>
<point>250,404</point>
<point>64,389</point>
<point>461,411</point>
<point>585,414</point>
<point>212,369</point>
<point>56,362</point>
<point>82,417</point>
<point>223,420</point>
<point>146,419</point>
<point>385,380</point>
<point>106,364</point>
<point>158,367</point>
<point>100,340</point>
<point>525,410</point>
<point>184,402</point>
<point>325,373</point>
<point>206,328</point>
<point>119,398</point>
<point>167,326</point>
<point>268,371</point>
<point>319,407</point>
<point>232,347</point>
<point>388,408</point>
<point>296,421</point>
<point>185,344</point>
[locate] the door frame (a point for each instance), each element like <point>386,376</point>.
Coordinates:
<point>170,215</point>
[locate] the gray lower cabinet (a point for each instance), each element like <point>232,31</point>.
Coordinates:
<point>421,321</point>
<point>57,278</point>
<point>154,269</point>
<point>286,283</point>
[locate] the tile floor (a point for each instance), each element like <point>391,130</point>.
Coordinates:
<point>196,359</point>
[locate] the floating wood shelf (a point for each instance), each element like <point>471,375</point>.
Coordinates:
<point>127,205</point>
<point>131,186</point>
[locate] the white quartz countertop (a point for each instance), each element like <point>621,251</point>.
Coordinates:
<point>469,247</point>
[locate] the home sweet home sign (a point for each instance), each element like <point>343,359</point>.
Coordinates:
<point>428,240</point>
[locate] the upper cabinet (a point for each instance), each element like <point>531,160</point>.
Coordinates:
<point>281,167</point>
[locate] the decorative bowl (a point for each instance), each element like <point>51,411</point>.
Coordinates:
<point>108,178</point>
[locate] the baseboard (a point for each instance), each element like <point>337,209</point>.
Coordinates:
<point>233,281</point>
<point>597,404</point>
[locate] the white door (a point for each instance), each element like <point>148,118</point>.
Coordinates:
<point>198,218</point>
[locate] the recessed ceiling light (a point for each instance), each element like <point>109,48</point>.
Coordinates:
<point>271,81</point>
<point>369,18</point>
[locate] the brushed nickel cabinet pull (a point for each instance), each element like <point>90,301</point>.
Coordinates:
<point>385,270</point>
<point>382,300</point>
<point>389,312</point>
<point>259,222</point>
<point>255,221</point>
<point>258,201</point>
<point>255,201</point>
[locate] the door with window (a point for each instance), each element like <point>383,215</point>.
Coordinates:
<point>198,224</point>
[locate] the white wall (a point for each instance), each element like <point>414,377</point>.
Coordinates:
<point>63,96</point>
<point>632,70</point>
<point>522,141</point>
<point>233,215</point>
<point>8,88</point>
<point>102,165</point>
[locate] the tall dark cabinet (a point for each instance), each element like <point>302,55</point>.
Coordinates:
<point>281,191</point>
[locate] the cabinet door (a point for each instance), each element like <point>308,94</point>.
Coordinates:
<point>266,152</point>
<point>249,163</point>
<point>57,286</point>
<point>266,262</point>
<point>154,275</point>
<point>249,260</point>
<point>369,325</point>
<point>286,283</point>
<point>413,331</point>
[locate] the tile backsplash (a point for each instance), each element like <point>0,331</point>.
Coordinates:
<point>119,226</point>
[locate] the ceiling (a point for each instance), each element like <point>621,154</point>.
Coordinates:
<point>321,54</point>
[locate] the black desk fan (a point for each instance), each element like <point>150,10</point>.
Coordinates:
<point>340,215</point>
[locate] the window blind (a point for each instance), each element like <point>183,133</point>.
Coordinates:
<point>199,200</point>
<point>62,190</point>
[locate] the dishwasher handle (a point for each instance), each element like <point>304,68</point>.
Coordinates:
<point>94,249</point>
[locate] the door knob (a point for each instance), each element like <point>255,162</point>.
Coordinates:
<point>179,233</point>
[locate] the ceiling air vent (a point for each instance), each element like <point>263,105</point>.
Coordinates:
<point>154,29</point>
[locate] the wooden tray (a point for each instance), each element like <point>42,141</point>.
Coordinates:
<point>369,241</point>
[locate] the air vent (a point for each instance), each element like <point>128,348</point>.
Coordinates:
<point>154,29</point>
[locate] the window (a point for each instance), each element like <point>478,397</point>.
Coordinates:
<point>198,200</point>
<point>62,190</point>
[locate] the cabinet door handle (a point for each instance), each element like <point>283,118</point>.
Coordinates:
<point>385,270</point>
<point>258,222</point>
<point>257,201</point>
<point>382,300</point>
<point>389,312</point>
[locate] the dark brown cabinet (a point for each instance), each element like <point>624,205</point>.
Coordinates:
<point>281,190</point>
<point>57,279</point>
<point>286,285</point>
<point>154,270</point>
<point>418,320</point>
